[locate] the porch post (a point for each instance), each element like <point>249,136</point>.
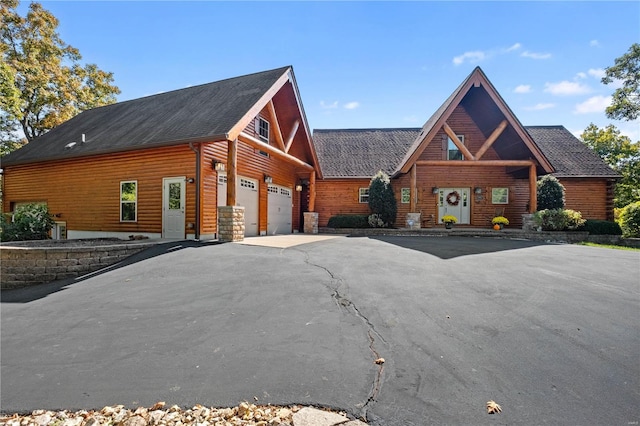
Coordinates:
<point>312,191</point>
<point>413,189</point>
<point>311,218</point>
<point>533,194</point>
<point>232,160</point>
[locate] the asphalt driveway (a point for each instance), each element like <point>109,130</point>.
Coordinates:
<point>550,332</point>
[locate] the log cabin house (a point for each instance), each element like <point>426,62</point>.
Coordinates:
<point>236,158</point>
<point>472,159</point>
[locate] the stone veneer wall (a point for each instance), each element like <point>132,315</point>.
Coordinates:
<point>230,223</point>
<point>310,222</point>
<point>25,266</point>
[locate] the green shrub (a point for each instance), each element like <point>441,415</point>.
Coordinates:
<point>601,227</point>
<point>30,222</point>
<point>550,193</point>
<point>558,219</point>
<point>349,221</point>
<point>630,220</point>
<point>382,201</point>
<point>375,221</point>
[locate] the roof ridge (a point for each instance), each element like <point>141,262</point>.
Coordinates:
<point>368,129</point>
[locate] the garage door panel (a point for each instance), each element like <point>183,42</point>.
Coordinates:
<point>247,197</point>
<point>279,210</point>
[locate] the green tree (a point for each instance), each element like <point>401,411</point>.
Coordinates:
<point>550,193</point>
<point>42,82</point>
<point>626,100</point>
<point>622,155</point>
<point>382,201</point>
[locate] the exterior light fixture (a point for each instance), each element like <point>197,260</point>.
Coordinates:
<point>191,180</point>
<point>299,188</point>
<point>435,190</point>
<point>268,179</point>
<point>218,166</point>
<point>477,190</point>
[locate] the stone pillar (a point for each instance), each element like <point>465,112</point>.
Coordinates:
<point>310,223</point>
<point>413,221</point>
<point>527,223</point>
<point>230,223</point>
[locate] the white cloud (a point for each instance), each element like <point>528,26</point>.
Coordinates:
<point>534,55</point>
<point>325,105</point>
<point>540,107</point>
<point>352,105</point>
<point>594,43</point>
<point>565,88</point>
<point>596,72</point>
<point>593,104</point>
<point>523,88</point>
<point>514,47</point>
<point>475,56</point>
<point>581,75</point>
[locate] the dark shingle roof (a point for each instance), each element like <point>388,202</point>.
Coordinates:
<point>361,152</point>
<point>198,112</point>
<point>569,156</point>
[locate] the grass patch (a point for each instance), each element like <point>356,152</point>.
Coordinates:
<point>610,246</point>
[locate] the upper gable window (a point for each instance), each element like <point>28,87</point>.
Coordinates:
<point>263,129</point>
<point>453,153</point>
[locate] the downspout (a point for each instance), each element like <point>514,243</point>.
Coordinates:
<point>197,151</point>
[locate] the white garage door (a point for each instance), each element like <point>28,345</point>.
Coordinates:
<point>246,196</point>
<point>279,210</point>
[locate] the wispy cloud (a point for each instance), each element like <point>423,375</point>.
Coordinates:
<point>596,72</point>
<point>351,105</point>
<point>325,105</point>
<point>473,57</point>
<point>540,107</point>
<point>566,88</point>
<point>523,88</point>
<point>594,43</point>
<point>535,55</point>
<point>516,46</point>
<point>593,104</point>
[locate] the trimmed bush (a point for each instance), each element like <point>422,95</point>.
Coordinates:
<point>382,201</point>
<point>550,193</point>
<point>30,222</point>
<point>558,219</point>
<point>630,220</point>
<point>349,221</point>
<point>601,227</point>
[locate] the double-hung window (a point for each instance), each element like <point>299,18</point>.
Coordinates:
<point>263,129</point>
<point>129,201</point>
<point>363,195</point>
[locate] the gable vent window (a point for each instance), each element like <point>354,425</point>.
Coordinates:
<point>453,153</point>
<point>263,129</point>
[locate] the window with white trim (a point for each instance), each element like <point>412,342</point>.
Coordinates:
<point>499,195</point>
<point>405,195</point>
<point>363,195</point>
<point>263,129</point>
<point>129,201</point>
<point>453,152</point>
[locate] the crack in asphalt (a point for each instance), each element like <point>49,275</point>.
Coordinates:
<point>346,303</point>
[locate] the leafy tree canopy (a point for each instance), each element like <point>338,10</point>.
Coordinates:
<point>626,100</point>
<point>622,155</point>
<point>42,82</point>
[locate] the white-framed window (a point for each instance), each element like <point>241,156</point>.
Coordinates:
<point>363,195</point>
<point>499,195</point>
<point>453,153</point>
<point>405,195</point>
<point>129,201</point>
<point>263,129</point>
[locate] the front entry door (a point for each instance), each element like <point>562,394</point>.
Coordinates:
<point>173,199</point>
<point>454,201</point>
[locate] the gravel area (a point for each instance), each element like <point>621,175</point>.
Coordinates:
<point>245,414</point>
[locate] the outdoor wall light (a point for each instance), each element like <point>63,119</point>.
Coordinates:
<point>477,190</point>
<point>191,180</point>
<point>299,188</point>
<point>435,190</point>
<point>268,179</point>
<point>218,166</point>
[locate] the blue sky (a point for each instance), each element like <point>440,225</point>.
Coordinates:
<point>368,64</point>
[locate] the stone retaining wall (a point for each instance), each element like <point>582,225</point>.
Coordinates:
<point>25,266</point>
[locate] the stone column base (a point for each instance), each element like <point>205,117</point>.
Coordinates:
<point>413,221</point>
<point>230,223</point>
<point>310,222</point>
<point>527,222</point>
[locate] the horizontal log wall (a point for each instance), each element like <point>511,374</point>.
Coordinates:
<point>339,196</point>
<point>85,192</point>
<point>588,196</point>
